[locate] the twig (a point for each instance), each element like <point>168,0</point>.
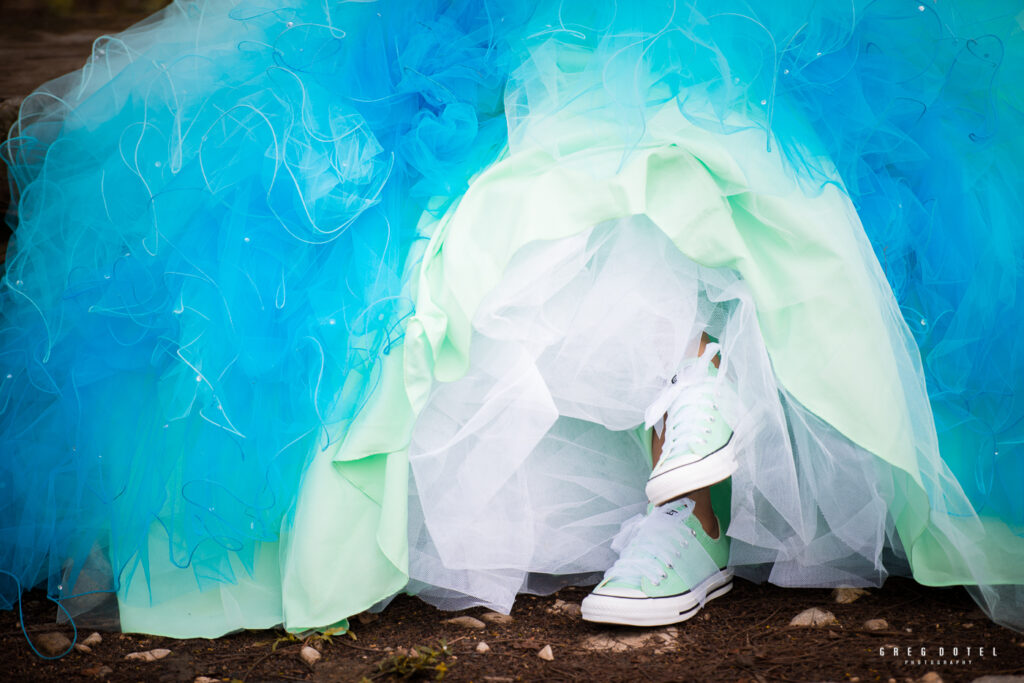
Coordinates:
<point>262,659</point>
<point>360,647</point>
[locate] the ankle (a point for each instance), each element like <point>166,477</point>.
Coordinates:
<point>711,527</point>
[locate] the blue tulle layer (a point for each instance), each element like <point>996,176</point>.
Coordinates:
<point>215,218</point>
<point>212,233</point>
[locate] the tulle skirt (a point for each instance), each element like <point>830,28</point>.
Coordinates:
<point>310,303</point>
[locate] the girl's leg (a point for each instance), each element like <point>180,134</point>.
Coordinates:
<point>676,558</point>
<point>701,497</point>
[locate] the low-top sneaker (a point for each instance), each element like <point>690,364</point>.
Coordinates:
<point>668,568</point>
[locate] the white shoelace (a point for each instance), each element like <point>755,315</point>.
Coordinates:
<point>688,403</point>
<point>648,544</point>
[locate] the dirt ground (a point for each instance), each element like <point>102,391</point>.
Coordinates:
<point>743,637</point>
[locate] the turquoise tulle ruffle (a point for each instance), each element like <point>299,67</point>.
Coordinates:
<point>215,217</point>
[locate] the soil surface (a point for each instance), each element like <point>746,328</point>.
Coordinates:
<point>744,636</point>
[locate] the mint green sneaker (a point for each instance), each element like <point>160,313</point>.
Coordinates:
<point>698,449</point>
<point>669,568</point>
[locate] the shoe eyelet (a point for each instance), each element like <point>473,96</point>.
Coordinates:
<point>663,576</point>
<point>675,378</point>
<point>694,532</point>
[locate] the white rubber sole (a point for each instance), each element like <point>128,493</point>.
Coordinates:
<point>609,609</point>
<point>678,481</point>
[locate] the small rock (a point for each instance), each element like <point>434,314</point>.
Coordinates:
<point>813,617</point>
<point>546,654</point>
<point>310,655</point>
<point>855,679</point>
<point>999,679</point>
<point>205,679</point>
<point>569,609</point>
<point>967,625</point>
<point>148,655</point>
<point>365,618</point>
<point>466,622</point>
<point>499,679</point>
<point>845,596</point>
<point>483,648</point>
<point>876,625</point>
<point>93,640</point>
<point>85,649</point>
<point>930,677</point>
<point>99,671</point>
<point>497,618</point>
<point>661,639</point>
<point>53,644</point>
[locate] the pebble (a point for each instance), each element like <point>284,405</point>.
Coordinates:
<point>483,648</point>
<point>52,644</point>
<point>662,640</point>
<point>999,679</point>
<point>876,625</point>
<point>93,640</point>
<point>100,671</point>
<point>813,617</point>
<point>310,655</point>
<point>206,679</point>
<point>546,654</point>
<point>83,648</point>
<point>930,677</point>
<point>497,618</point>
<point>845,596</point>
<point>569,609</point>
<point>365,618</point>
<point>498,679</point>
<point>148,655</point>
<point>466,622</point>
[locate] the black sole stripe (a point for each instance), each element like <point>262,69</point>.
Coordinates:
<point>675,595</point>
<point>717,450</point>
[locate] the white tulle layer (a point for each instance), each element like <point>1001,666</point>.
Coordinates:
<point>524,469</point>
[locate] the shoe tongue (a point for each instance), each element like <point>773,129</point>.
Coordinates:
<point>680,508</point>
<point>702,360</point>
